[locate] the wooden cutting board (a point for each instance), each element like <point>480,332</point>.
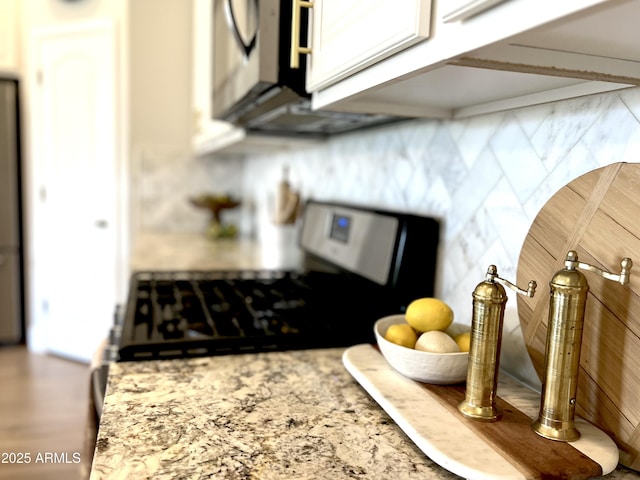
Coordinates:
<point>507,449</point>
<point>598,215</point>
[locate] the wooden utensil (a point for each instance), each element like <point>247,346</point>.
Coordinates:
<point>598,215</point>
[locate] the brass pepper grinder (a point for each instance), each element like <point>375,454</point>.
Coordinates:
<point>564,337</point>
<point>489,300</point>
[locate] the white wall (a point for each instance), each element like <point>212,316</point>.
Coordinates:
<point>154,46</point>
<point>160,72</point>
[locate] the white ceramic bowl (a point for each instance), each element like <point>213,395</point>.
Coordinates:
<point>437,368</point>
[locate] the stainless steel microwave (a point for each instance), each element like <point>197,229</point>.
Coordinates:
<point>254,86</point>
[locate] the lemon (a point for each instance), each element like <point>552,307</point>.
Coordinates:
<point>436,341</point>
<point>464,341</point>
<point>426,314</point>
<point>401,334</point>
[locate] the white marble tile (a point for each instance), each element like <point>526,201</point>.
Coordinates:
<point>566,124</point>
<point>631,98</point>
<point>474,137</point>
<point>416,135</point>
<point>436,198</point>
<point>497,255</point>
<point>442,159</point>
<point>167,178</point>
<point>476,185</point>
<point>512,359</point>
<point>531,118</point>
<point>472,243</point>
<point>520,164</point>
<point>508,217</point>
<point>417,191</point>
<point>401,174</point>
<point>616,137</point>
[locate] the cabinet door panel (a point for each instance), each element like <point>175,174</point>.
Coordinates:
<point>348,36</point>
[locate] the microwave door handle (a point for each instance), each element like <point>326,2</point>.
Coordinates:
<point>233,26</point>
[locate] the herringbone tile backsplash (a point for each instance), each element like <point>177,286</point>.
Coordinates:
<point>485,178</point>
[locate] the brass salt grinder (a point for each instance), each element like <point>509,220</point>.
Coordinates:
<point>568,295</point>
<point>489,300</point>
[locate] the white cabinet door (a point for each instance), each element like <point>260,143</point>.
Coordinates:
<point>75,145</point>
<point>349,36</point>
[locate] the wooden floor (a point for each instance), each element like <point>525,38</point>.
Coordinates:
<point>44,412</point>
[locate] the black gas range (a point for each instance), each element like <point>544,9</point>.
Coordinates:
<point>359,264</point>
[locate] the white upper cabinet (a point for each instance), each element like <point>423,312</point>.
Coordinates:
<point>488,55</point>
<point>349,36</point>
<point>209,135</point>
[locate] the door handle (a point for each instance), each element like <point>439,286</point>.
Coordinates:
<point>245,46</point>
<point>296,48</point>
<point>102,223</point>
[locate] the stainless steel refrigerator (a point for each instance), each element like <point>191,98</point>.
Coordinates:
<point>11,251</point>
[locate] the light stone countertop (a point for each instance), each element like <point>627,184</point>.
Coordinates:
<point>277,415</point>
<point>187,251</point>
<point>194,251</point>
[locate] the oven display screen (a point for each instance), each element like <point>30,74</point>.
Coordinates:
<point>340,225</point>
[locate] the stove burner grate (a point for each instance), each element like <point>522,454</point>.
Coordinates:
<point>183,314</point>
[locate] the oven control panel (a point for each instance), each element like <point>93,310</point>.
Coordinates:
<point>392,249</point>
<point>360,241</point>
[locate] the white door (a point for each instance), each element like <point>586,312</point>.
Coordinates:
<point>74,157</point>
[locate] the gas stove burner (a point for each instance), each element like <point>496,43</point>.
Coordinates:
<point>360,265</point>
<point>222,312</point>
